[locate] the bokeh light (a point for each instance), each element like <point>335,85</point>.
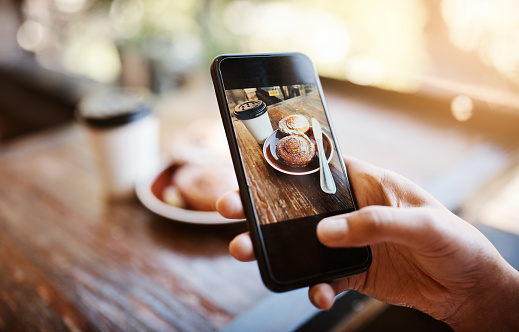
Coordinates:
<point>364,70</point>
<point>70,6</point>
<point>283,26</point>
<point>400,45</point>
<point>462,108</point>
<point>490,28</point>
<point>92,57</point>
<point>30,35</point>
<point>370,42</point>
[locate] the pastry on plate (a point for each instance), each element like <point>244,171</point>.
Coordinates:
<point>294,124</point>
<point>296,150</point>
<point>201,185</point>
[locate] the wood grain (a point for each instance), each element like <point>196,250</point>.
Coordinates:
<point>69,261</point>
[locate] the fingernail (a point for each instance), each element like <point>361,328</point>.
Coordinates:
<point>331,229</point>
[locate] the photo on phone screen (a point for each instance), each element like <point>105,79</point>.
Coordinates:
<point>280,154</point>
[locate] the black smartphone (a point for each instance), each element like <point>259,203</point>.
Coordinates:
<point>288,164</point>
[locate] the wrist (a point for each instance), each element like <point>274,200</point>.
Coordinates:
<point>492,306</point>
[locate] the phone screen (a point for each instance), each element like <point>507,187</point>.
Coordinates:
<point>282,166</point>
<point>278,115</point>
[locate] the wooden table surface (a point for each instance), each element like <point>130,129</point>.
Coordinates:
<point>69,261</point>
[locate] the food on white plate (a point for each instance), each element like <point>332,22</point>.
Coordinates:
<point>200,186</point>
<point>296,150</point>
<point>172,196</point>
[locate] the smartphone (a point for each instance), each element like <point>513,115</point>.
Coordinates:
<point>288,165</point>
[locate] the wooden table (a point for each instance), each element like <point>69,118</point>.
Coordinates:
<point>69,261</point>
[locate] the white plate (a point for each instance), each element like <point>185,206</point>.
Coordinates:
<point>147,190</point>
<point>269,148</point>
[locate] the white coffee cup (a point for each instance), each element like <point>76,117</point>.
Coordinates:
<point>254,115</point>
<point>124,136</point>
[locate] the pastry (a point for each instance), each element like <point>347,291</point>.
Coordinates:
<point>296,150</point>
<point>294,124</point>
<point>201,185</point>
<point>171,195</point>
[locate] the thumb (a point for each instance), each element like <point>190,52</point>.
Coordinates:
<point>412,227</point>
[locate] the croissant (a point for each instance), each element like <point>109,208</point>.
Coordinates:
<point>296,150</point>
<point>294,124</point>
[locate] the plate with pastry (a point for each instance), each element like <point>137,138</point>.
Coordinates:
<point>294,152</point>
<point>199,172</point>
<point>188,193</point>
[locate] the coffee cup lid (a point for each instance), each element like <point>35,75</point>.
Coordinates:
<point>250,109</point>
<point>114,107</point>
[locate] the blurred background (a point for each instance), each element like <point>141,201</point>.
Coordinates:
<point>437,80</point>
<point>427,88</point>
<point>52,49</point>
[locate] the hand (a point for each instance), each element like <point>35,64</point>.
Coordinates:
<point>423,255</point>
